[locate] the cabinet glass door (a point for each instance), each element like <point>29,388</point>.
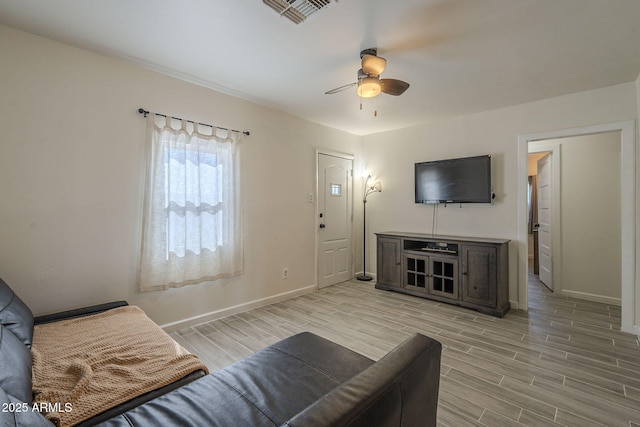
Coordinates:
<point>444,277</point>
<point>416,272</point>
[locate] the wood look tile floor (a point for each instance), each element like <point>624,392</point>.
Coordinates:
<point>562,363</point>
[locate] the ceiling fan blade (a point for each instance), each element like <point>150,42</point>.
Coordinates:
<point>373,65</point>
<point>393,87</point>
<point>340,89</point>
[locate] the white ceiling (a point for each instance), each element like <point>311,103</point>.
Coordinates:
<point>460,56</point>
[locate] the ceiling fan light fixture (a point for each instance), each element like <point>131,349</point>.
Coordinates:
<point>369,87</point>
<point>373,65</point>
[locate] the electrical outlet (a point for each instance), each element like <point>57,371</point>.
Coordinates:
<point>310,197</point>
<point>285,273</point>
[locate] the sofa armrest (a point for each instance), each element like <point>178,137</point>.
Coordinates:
<point>78,312</point>
<point>401,389</point>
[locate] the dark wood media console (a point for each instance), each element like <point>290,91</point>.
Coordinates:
<point>466,271</point>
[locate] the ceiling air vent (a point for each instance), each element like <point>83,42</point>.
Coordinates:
<point>296,10</point>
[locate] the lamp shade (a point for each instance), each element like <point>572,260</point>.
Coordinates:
<point>373,65</point>
<point>369,87</point>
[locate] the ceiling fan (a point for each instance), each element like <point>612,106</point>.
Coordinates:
<point>369,82</point>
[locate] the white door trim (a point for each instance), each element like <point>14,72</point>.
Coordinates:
<point>347,156</point>
<point>630,323</point>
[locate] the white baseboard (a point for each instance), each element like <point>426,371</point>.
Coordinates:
<point>229,311</point>
<point>633,329</point>
<point>592,297</point>
<point>514,305</point>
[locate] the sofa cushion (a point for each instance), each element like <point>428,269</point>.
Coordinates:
<point>15,366</point>
<point>20,414</point>
<point>15,315</point>
<point>324,355</point>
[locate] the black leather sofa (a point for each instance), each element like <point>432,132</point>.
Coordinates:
<point>303,380</point>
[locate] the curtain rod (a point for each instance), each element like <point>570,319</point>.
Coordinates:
<point>146,113</point>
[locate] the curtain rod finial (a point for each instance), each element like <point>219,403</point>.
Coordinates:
<point>143,111</point>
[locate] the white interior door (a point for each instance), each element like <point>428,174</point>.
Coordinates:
<point>544,220</point>
<point>335,183</point>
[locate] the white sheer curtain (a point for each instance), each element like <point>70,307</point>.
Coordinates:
<point>192,223</point>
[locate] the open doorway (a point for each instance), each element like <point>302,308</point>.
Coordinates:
<point>577,215</point>
<point>625,257</point>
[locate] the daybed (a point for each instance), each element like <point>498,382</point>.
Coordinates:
<point>303,380</point>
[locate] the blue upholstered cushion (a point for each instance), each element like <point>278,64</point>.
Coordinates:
<point>15,315</point>
<point>15,366</point>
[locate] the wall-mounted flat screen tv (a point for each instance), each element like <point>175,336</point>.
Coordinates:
<point>463,180</point>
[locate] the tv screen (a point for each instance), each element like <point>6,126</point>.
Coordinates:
<point>463,180</point>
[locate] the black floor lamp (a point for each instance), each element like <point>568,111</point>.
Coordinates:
<point>375,188</point>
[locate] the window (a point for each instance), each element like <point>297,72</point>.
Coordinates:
<point>192,227</point>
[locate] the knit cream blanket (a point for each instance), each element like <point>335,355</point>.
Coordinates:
<point>84,366</point>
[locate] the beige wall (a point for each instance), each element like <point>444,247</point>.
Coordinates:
<point>532,162</point>
<point>392,155</point>
<point>71,178</point>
